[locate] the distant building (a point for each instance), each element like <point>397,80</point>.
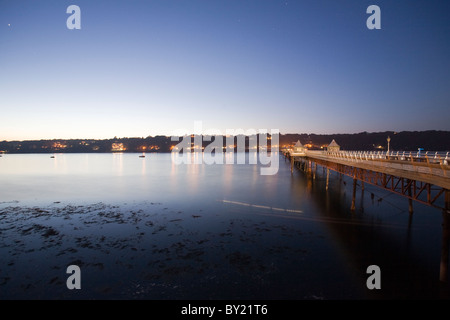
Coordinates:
<point>117,147</point>
<point>333,146</point>
<point>58,146</point>
<point>298,148</point>
<point>153,148</point>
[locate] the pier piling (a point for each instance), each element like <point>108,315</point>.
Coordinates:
<point>292,165</point>
<point>354,194</point>
<point>328,177</point>
<point>410,202</point>
<point>315,170</point>
<point>443,272</point>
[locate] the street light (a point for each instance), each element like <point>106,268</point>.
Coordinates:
<point>388,140</point>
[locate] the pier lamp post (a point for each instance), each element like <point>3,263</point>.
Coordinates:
<point>388,140</point>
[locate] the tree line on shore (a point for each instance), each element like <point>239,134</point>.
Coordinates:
<point>432,140</point>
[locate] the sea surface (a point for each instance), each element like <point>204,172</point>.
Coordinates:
<point>148,228</point>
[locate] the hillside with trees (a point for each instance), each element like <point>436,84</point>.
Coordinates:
<point>401,141</point>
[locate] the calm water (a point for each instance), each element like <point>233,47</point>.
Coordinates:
<point>145,228</point>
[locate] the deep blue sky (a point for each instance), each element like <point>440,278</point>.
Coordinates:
<point>139,68</point>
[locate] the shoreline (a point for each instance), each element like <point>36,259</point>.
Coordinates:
<point>149,252</point>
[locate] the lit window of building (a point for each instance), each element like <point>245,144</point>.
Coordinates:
<point>117,147</point>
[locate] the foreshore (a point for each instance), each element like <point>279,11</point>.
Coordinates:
<point>144,251</point>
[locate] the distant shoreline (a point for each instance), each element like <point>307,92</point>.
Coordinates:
<point>431,140</point>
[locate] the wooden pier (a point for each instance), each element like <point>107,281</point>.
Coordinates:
<point>422,178</point>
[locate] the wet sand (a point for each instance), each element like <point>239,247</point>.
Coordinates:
<point>151,251</point>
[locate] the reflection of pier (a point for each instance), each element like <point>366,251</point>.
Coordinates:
<point>420,177</point>
<point>363,240</point>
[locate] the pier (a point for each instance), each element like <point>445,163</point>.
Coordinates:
<point>424,178</point>
<point>418,176</point>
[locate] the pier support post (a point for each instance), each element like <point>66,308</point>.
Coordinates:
<point>354,195</point>
<point>410,202</point>
<point>292,164</point>
<point>328,177</point>
<point>443,272</point>
<point>315,171</point>
<point>362,181</point>
<point>309,166</point>
<point>447,201</point>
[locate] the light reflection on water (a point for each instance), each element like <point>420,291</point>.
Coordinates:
<point>301,241</point>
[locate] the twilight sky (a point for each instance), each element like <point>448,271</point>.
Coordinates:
<point>139,68</point>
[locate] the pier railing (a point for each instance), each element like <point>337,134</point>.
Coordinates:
<point>435,157</point>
